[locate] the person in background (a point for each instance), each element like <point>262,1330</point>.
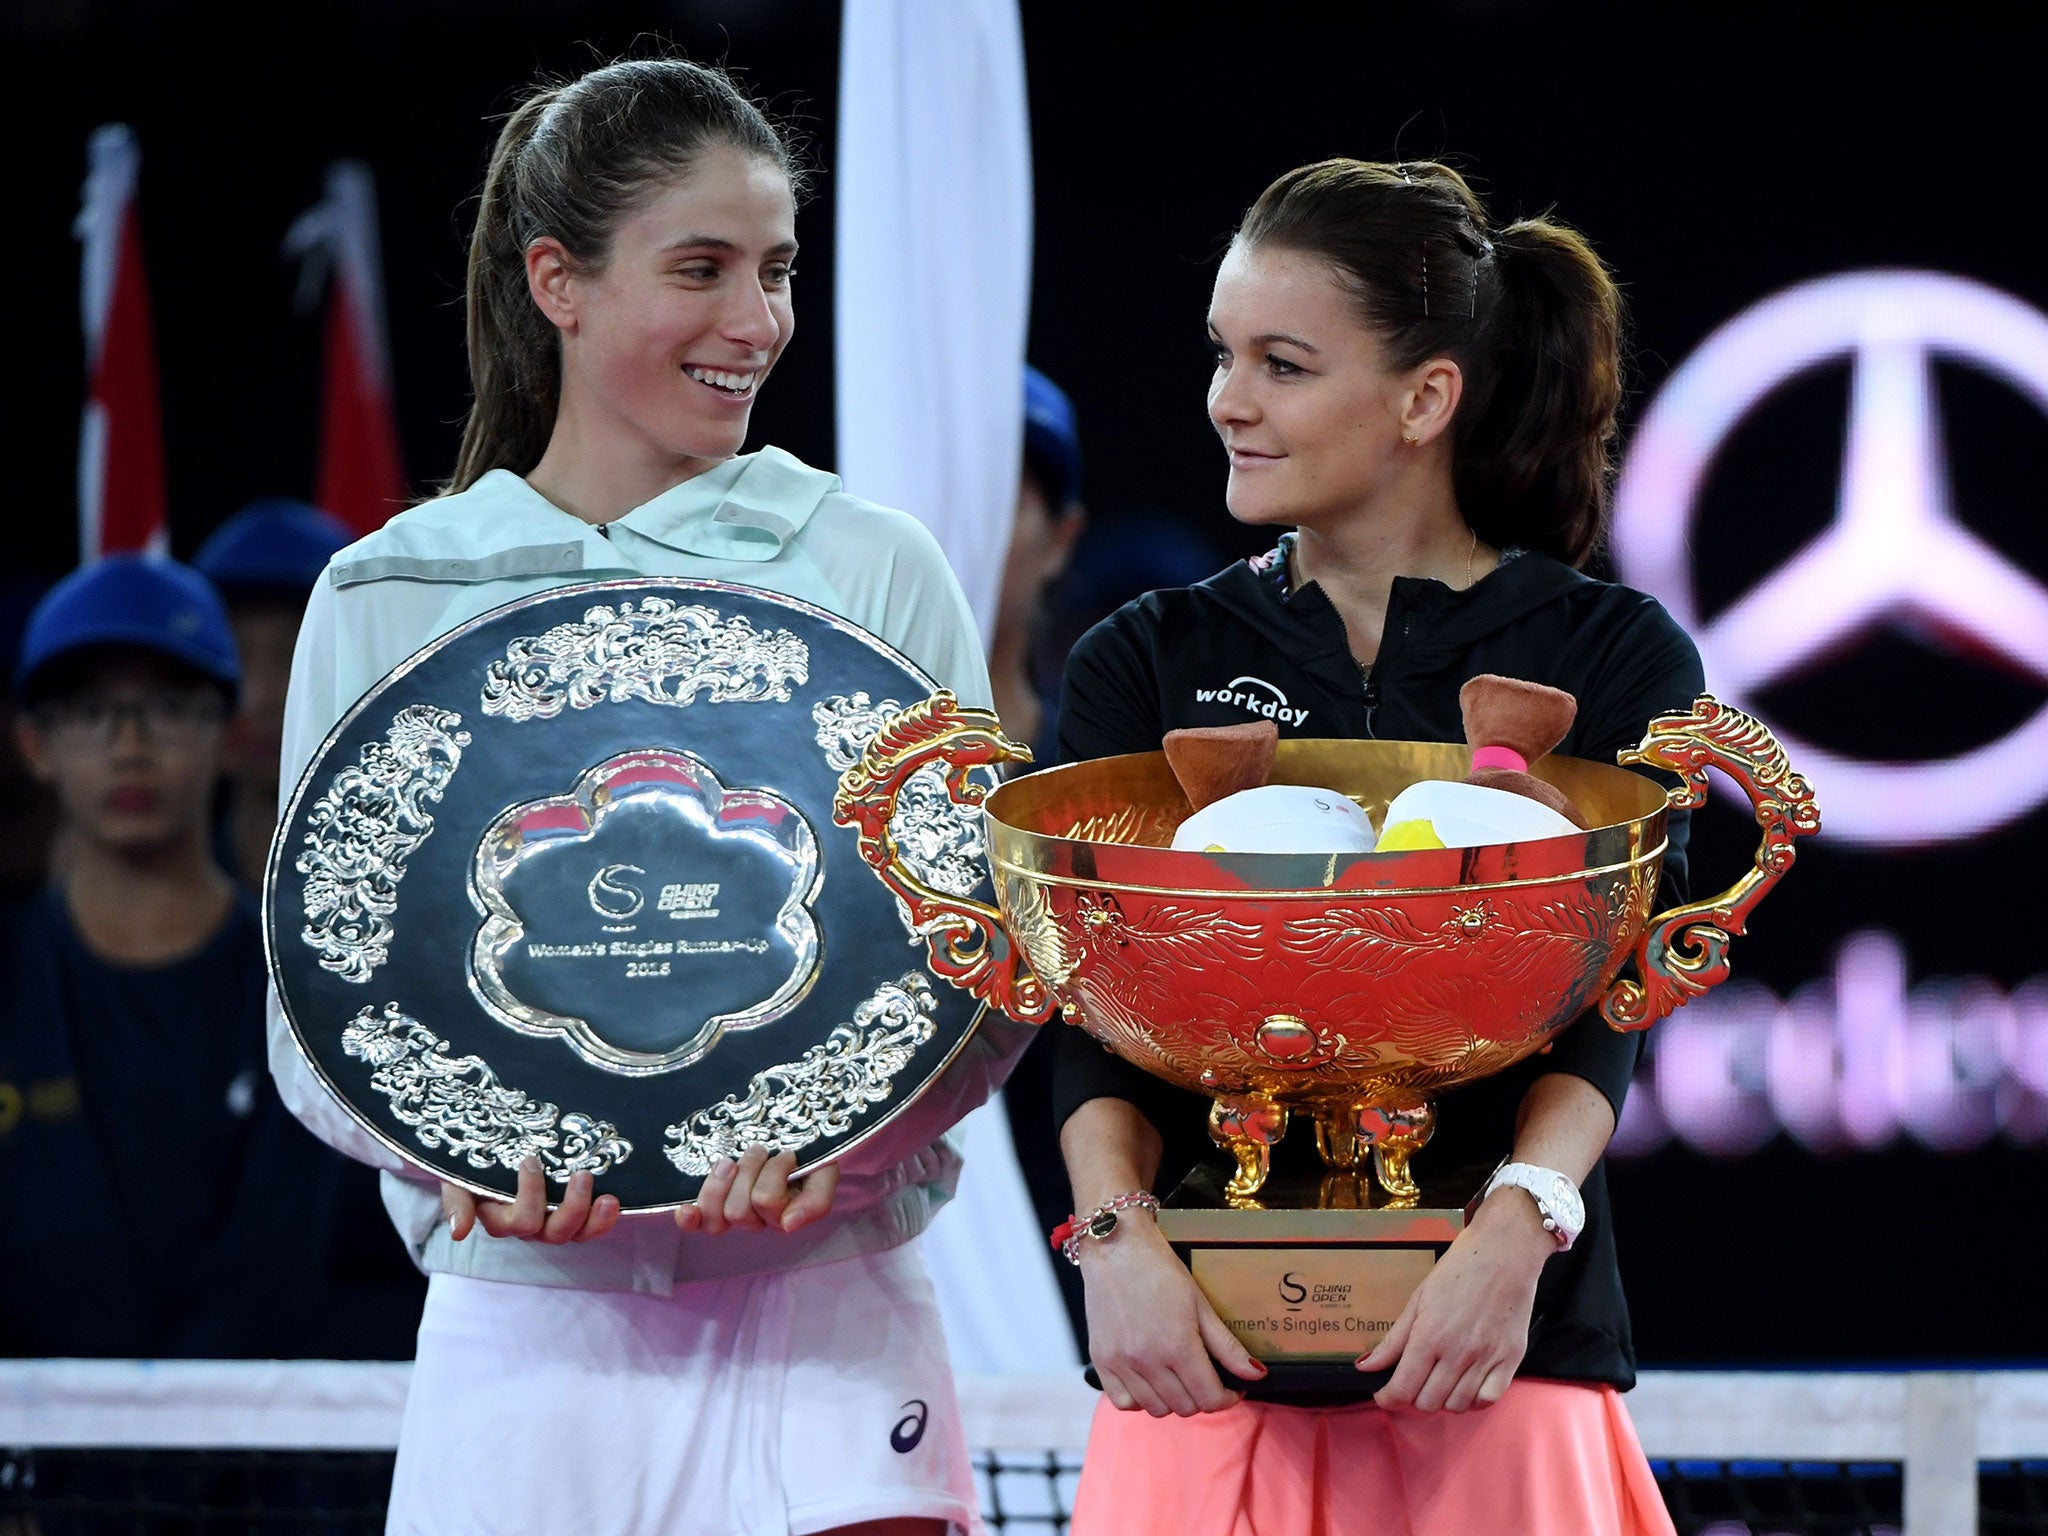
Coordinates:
<point>28,812</point>
<point>1048,520</point>
<point>161,1200</point>
<point>1121,556</point>
<point>263,561</point>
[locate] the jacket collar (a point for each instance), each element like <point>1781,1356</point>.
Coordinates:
<point>746,508</point>
<point>1428,623</point>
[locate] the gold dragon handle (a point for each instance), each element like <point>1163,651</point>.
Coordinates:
<point>1683,952</point>
<point>965,939</point>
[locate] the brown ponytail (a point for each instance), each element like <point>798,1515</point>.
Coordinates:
<point>570,162</point>
<point>1529,314</point>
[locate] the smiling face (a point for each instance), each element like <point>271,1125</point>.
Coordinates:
<point>1302,396</point>
<point>666,346</point>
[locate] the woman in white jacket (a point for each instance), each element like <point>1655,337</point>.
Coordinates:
<point>771,1360</point>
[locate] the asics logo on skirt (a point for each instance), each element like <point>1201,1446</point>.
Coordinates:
<point>909,1430</point>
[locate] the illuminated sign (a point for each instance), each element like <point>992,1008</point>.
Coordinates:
<point>1895,550</point>
<point>1849,1061</point>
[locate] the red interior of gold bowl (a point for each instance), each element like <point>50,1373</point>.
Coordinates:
<point>1113,820</point>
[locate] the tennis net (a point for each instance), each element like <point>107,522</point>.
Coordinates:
<point>232,1448</point>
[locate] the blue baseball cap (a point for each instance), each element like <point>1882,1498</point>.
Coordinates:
<point>1052,438</point>
<point>275,543</point>
<point>18,598</point>
<point>137,600</point>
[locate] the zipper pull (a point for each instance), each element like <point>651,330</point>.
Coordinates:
<point>1372,699</point>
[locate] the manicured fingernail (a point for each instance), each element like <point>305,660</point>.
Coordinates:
<point>1257,1372</point>
<point>722,1167</point>
<point>530,1165</point>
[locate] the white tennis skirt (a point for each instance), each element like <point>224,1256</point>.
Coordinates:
<point>766,1405</point>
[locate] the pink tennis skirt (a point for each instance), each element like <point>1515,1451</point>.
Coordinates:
<point>1551,1458</point>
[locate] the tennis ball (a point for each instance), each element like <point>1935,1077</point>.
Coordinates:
<point>1408,836</point>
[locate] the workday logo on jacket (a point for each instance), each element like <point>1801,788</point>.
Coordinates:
<point>1256,695</point>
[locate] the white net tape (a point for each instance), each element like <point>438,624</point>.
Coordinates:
<point>1938,1424</point>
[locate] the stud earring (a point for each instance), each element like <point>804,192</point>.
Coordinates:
<point>1410,439</point>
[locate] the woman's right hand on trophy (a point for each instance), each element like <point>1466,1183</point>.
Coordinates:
<point>1151,1332</point>
<point>1153,1337</point>
<point>577,1219</point>
<point>759,1191</point>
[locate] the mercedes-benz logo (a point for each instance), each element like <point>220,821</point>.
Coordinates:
<point>1895,547</point>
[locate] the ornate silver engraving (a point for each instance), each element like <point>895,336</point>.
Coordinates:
<point>938,839</point>
<point>362,831</point>
<point>790,1106</point>
<point>457,1103</point>
<point>656,651</point>
<point>846,724</point>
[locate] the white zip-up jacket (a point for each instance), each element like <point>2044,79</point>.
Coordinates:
<point>765,520</point>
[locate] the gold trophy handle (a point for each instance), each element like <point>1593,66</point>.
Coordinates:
<point>966,940</point>
<point>1685,951</point>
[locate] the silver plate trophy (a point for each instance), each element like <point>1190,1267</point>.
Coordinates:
<point>629,876</point>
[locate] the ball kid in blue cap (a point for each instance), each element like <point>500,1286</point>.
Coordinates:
<point>126,676</point>
<point>265,560</point>
<point>133,601</point>
<point>1052,439</point>
<point>274,544</point>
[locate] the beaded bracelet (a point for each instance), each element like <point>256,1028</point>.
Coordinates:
<point>1098,1223</point>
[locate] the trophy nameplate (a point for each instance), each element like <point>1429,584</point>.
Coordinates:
<point>631,875</point>
<point>1313,1279</point>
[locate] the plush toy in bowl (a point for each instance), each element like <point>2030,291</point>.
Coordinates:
<point>1223,772</point>
<point>1510,723</point>
<point>1278,818</point>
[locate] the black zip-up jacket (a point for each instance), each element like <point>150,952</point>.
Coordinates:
<point>1239,646</point>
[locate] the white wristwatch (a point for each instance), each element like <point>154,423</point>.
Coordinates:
<point>1556,1196</point>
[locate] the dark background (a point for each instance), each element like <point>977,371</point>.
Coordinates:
<point>1714,154</point>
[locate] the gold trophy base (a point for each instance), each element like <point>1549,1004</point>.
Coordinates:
<point>1313,1276</point>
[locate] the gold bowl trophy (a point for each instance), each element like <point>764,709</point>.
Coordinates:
<point>1354,989</point>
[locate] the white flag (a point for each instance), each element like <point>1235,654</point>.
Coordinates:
<point>933,251</point>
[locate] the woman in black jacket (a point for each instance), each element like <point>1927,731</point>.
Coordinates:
<point>1429,406</point>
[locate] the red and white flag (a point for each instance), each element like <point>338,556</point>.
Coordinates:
<point>361,474</point>
<point>121,438</point>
